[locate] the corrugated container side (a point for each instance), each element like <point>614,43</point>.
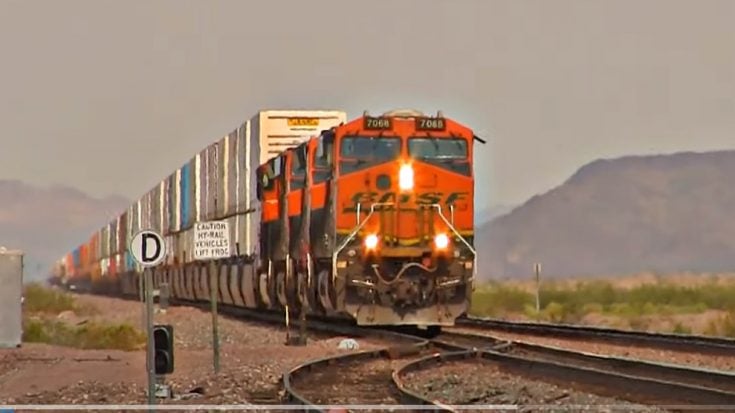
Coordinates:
<point>97,244</point>
<point>146,215</point>
<point>129,262</point>
<point>94,247</point>
<point>77,257</point>
<point>143,218</point>
<point>112,270</point>
<point>114,229</point>
<point>232,222</point>
<point>186,191</point>
<point>221,172</point>
<point>135,220</point>
<point>241,167</point>
<point>184,244</point>
<point>154,200</point>
<point>175,199</point>
<point>170,241</point>
<point>105,250</point>
<point>84,258</point>
<point>170,202</point>
<point>104,266</point>
<point>112,240</point>
<point>200,186</point>
<point>212,182</point>
<point>231,173</point>
<point>165,222</point>
<point>121,233</point>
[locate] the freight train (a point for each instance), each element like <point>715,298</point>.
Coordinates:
<point>369,219</point>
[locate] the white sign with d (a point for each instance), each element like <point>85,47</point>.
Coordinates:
<point>148,248</point>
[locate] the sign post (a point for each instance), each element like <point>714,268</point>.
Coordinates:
<point>212,242</point>
<point>148,250</point>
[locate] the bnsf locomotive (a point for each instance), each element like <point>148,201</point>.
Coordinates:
<point>370,219</point>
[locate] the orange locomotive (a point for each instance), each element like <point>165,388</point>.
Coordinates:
<point>373,220</point>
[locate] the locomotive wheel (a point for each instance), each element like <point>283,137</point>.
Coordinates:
<point>324,279</point>
<point>264,291</point>
<point>281,287</point>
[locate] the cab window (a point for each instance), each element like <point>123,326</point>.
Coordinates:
<point>360,152</point>
<point>444,152</point>
<point>298,167</point>
<point>323,157</point>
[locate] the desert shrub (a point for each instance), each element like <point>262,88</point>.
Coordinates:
<point>496,300</point>
<point>39,299</point>
<point>679,328</point>
<point>87,336</point>
<point>555,312</point>
<point>602,297</point>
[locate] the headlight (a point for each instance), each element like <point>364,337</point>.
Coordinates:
<point>441,241</point>
<point>371,241</point>
<point>405,177</point>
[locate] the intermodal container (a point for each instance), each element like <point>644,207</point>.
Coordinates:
<point>186,191</point>
<point>185,246</point>
<point>173,201</point>
<point>229,180</point>
<point>122,242</point>
<point>170,242</point>
<point>77,257</point>
<point>163,207</point>
<point>112,269</point>
<point>200,187</point>
<point>241,169</point>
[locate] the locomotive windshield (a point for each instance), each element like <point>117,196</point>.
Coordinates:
<point>437,148</point>
<point>359,152</point>
<point>447,153</point>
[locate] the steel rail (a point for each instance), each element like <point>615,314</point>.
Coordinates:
<point>637,389</point>
<point>678,342</point>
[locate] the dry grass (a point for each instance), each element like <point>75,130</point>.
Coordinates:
<point>681,303</point>
<point>42,323</point>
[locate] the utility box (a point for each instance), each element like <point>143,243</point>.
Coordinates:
<point>11,296</point>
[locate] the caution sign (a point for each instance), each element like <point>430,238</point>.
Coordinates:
<point>295,122</point>
<point>211,240</point>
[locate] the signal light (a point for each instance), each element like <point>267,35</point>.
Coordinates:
<point>405,177</point>
<point>441,241</point>
<point>163,345</point>
<point>371,241</point>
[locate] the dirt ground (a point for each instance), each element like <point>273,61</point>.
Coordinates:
<point>252,359</point>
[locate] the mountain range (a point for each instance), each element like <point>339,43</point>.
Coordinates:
<point>659,213</point>
<point>46,223</point>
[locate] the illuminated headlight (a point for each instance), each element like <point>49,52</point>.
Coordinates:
<point>441,241</point>
<point>405,177</point>
<point>371,241</point>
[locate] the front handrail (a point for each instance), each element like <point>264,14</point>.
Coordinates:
<point>352,234</point>
<point>362,223</point>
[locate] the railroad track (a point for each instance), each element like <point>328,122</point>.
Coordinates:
<point>364,378</point>
<point>677,342</point>
<point>377,376</point>
<point>634,380</point>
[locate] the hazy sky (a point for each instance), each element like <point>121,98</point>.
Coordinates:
<point>111,97</point>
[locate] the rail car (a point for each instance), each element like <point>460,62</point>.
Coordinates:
<point>369,219</point>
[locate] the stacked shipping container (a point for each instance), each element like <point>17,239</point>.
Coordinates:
<point>218,183</point>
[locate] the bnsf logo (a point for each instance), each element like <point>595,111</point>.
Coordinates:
<point>423,198</point>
